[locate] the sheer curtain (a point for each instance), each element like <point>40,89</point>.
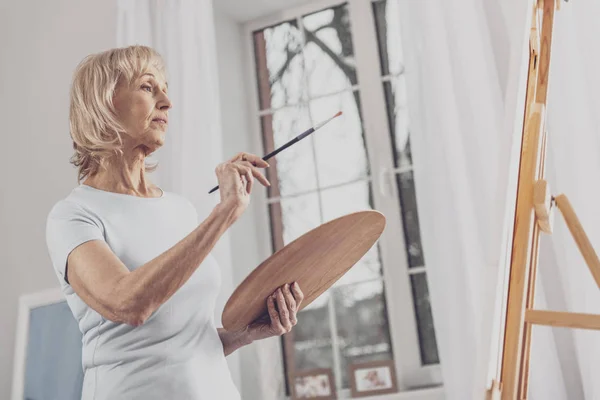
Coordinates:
<point>464,65</point>
<point>456,112</point>
<point>574,168</point>
<point>183,32</point>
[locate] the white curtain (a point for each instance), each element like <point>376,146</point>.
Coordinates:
<point>574,169</point>
<point>462,81</point>
<point>183,32</point>
<point>456,111</point>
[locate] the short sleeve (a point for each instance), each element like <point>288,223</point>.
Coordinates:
<point>69,226</point>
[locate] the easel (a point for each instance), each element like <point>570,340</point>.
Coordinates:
<point>533,215</point>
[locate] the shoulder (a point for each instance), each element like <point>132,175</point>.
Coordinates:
<point>64,208</point>
<point>72,208</point>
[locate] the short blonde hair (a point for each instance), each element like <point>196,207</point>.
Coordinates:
<point>94,128</point>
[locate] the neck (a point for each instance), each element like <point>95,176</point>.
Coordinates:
<point>124,174</point>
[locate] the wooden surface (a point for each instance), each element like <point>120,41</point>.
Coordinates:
<point>521,246</point>
<point>542,201</point>
<point>316,260</point>
<point>545,50</point>
<point>583,243</point>
<point>539,118</point>
<point>515,357</point>
<point>563,319</point>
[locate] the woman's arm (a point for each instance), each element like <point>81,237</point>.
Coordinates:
<point>282,306</point>
<point>106,285</point>
<point>233,340</point>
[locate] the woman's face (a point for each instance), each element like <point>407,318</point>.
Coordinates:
<point>142,109</point>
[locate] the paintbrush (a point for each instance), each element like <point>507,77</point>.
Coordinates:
<point>291,142</point>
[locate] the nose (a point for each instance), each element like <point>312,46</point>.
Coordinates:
<point>164,103</point>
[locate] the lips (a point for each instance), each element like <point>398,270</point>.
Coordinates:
<point>161,120</point>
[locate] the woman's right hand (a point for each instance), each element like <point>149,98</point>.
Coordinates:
<point>236,178</point>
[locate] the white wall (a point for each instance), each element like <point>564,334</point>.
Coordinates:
<point>234,124</point>
<point>261,369</point>
<point>238,128</point>
<point>41,42</point>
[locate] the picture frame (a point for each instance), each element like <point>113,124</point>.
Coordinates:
<point>314,384</point>
<point>373,378</point>
<point>47,359</point>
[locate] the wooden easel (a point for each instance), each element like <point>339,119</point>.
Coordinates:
<point>533,215</point>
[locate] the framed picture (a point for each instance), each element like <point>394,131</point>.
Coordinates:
<point>47,362</point>
<point>373,378</point>
<point>314,384</point>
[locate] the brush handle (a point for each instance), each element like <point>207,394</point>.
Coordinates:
<point>288,144</point>
<point>277,151</point>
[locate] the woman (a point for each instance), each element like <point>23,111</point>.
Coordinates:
<point>132,260</point>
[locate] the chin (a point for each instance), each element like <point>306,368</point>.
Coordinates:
<point>159,137</point>
<point>154,144</point>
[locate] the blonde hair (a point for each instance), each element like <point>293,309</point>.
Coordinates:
<point>94,128</point>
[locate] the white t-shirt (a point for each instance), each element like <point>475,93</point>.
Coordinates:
<point>176,354</point>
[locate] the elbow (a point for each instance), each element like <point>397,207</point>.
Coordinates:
<point>136,321</point>
<point>133,313</point>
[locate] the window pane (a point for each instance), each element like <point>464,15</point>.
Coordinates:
<point>312,336</point>
<point>295,166</point>
<point>300,215</point>
<point>328,52</point>
<point>410,219</point>
<point>387,22</point>
<point>279,65</point>
<point>427,341</point>
<point>363,331</point>
<point>367,268</point>
<point>340,148</point>
<point>344,200</point>
<point>398,118</point>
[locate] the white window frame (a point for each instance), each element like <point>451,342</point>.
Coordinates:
<point>412,375</point>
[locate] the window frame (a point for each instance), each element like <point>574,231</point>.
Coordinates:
<point>411,374</point>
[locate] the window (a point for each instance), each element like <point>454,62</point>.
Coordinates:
<point>309,64</point>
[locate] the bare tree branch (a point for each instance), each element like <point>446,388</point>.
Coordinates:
<point>346,69</point>
<point>289,58</point>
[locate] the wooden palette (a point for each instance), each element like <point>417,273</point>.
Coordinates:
<point>316,260</point>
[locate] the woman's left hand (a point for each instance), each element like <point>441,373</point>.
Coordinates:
<point>283,306</point>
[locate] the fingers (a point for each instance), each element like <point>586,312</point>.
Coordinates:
<point>298,294</point>
<point>291,304</point>
<point>251,158</point>
<point>274,316</point>
<point>246,173</point>
<point>246,166</point>
<point>255,172</point>
<point>282,307</point>
<point>284,315</point>
<point>250,172</point>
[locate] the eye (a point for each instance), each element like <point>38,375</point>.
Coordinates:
<point>147,88</point>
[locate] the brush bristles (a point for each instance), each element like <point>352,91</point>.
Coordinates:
<point>318,126</point>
